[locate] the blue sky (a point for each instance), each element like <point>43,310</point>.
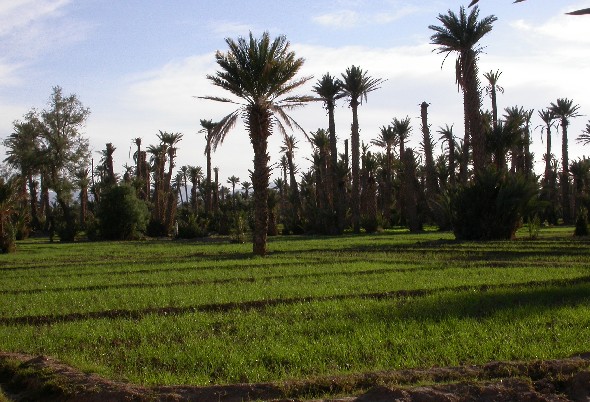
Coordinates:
<point>137,64</point>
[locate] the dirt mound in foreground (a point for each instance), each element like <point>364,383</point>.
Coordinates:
<point>28,378</point>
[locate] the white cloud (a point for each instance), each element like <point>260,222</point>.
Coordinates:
<point>338,19</point>
<point>230,29</point>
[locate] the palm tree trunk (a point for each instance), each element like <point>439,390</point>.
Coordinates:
<point>259,123</point>
<point>565,183</point>
<point>33,200</point>
<point>337,203</point>
<point>355,145</point>
<point>208,184</point>
<point>431,182</point>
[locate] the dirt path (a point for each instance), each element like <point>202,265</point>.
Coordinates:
<point>29,378</point>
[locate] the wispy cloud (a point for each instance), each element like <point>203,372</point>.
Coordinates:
<point>30,28</point>
<point>230,29</point>
<point>339,19</point>
<point>344,19</point>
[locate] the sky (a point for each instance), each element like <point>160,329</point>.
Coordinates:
<point>140,66</point>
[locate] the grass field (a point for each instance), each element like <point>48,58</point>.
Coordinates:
<point>171,312</point>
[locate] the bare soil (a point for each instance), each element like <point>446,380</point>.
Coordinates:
<point>29,378</point>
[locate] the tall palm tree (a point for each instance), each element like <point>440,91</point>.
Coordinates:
<point>23,153</point>
<point>388,140</point>
<point>233,180</point>
<point>356,85</point>
<point>246,186</point>
<point>208,126</point>
<point>548,119</point>
<point>170,140</point>
<point>431,181</point>
<point>183,171</point>
<point>329,90</point>
<point>195,176</point>
<point>446,135</point>
<point>261,73</point>
<point>492,89</point>
<point>320,142</point>
<point>564,109</point>
<point>402,129</point>
<point>460,34</point>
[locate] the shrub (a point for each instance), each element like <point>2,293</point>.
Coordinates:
<point>121,215</point>
<point>491,206</point>
<point>582,223</point>
<point>189,227</point>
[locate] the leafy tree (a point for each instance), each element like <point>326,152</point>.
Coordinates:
<point>261,73</point>
<point>64,151</point>
<point>356,84</point>
<point>460,34</point>
<point>121,215</point>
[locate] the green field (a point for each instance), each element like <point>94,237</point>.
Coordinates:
<point>171,312</point>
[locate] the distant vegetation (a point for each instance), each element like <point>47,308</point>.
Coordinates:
<point>51,186</point>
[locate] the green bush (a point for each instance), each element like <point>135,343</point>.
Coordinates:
<point>582,223</point>
<point>491,206</point>
<point>121,215</point>
<point>189,227</point>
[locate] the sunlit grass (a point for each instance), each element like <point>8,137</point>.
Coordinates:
<point>147,312</point>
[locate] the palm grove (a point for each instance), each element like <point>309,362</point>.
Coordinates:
<point>482,186</point>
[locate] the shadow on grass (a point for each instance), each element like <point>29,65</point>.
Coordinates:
<point>461,301</point>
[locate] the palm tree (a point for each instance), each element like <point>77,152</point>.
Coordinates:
<point>431,181</point>
<point>446,135</point>
<point>261,73</point>
<point>564,109</point>
<point>208,126</point>
<point>548,118</point>
<point>170,140</point>
<point>356,85</point>
<point>492,89</point>
<point>183,171</point>
<point>580,171</point>
<point>388,140</point>
<point>23,153</point>
<point>246,186</point>
<point>402,129</point>
<point>195,176</point>
<point>320,142</point>
<point>584,138</point>
<point>460,34</point>
<point>233,180</point>
<point>329,90</point>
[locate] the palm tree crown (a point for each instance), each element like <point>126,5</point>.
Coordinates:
<point>460,34</point>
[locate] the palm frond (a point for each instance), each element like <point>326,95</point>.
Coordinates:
<point>223,127</point>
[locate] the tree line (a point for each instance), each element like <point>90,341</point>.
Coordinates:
<point>482,186</point>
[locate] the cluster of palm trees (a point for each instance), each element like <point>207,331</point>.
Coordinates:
<point>396,185</point>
